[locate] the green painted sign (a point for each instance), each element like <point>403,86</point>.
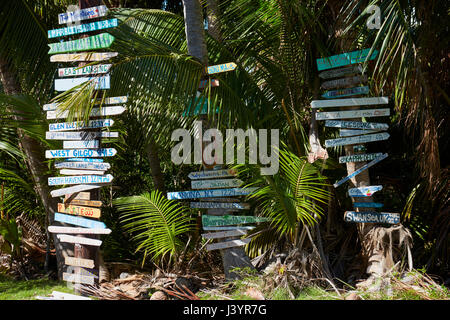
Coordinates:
<point>99,41</point>
<point>344,59</point>
<point>226,220</point>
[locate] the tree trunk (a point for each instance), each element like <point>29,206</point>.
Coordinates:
<point>155,166</point>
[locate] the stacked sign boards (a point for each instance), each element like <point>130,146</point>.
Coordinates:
<point>343,108</point>
<point>80,160</point>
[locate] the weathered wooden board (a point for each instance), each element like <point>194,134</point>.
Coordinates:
<point>83,56</point>
<point>78,196</point>
<point>83,166</point>
<point>365,167</point>
<point>55,181</point>
<point>80,125</point>
<point>100,83</point>
<point>214,184</point>
<point>81,144</point>
<point>356,125</point>
<point>232,192</point>
<point>344,82</point>
<point>372,217</point>
<point>224,234</point>
<point>83,271</point>
<point>367,205</point>
<point>90,160</point>
<point>109,100</point>
<point>329,74</point>
<point>83,28</point>
<point>357,139</point>
<point>227,244</point>
<point>79,240</point>
<point>78,278</point>
<point>350,102</point>
<point>364,191</point>
<point>80,135</point>
<point>79,221</point>
<point>78,188</point>
<point>82,14</point>
<point>332,94</point>
<point>73,172</point>
<point>355,132</point>
<point>82,71</point>
<point>221,68</point>
<point>228,228</point>
<point>220,205</point>
<point>95,112</point>
<point>212,174</point>
<point>85,153</point>
<point>226,220</point>
<point>68,296</point>
<point>79,210</point>
<point>359,157</point>
<point>204,83</point>
<point>99,41</point>
<point>343,59</point>
<point>90,203</point>
<point>72,230</point>
<point>352,114</point>
<point>79,262</point>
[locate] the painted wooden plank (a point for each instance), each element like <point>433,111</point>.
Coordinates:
<point>359,148</point>
<point>78,278</point>
<point>357,139</point>
<point>83,56</point>
<point>365,167</point>
<point>343,59</point>
<point>89,160</point>
<point>78,196</point>
<point>83,166</point>
<point>79,240</point>
<point>221,68</point>
<point>228,228</point>
<point>82,71</point>
<point>220,205</point>
<point>367,205</point>
<point>204,83</point>
<point>329,74</point>
<point>82,14</point>
<point>344,82</point>
<point>227,244</point>
<point>79,221</point>
<point>214,184</point>
<point>359,157</point>
<point>78,188</point>
<point>88,144</point>
<point>367,113</point>
<point>82,28</point>
<point>83,271</point>
<point>224,234</point>
<point>332,94</point>
<point>109,100</point>
<point>86,153</point>
<point>100,83</point>
<point>372,217</point>
<point>68,296</point>
<point>226,220</point>
<point>80,125</point>
<point>350,102</point>
<point>99,41</point>
<point>70,172</point>
<point>355,132</point>
<point>72,230</point>
<point>79,262</point>
<point>212,174</point>
<point>79,210</point>
<point>364,191</point>
<point>80,135</point>
<point>95,112</point>
<point>232,192</point>
<point>356,125</point>
<point>88,179</point>
<point>89,203</point>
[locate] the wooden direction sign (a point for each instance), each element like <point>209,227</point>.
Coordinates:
<point>95,112</point>
<point>353,132</point>
<point>227,244</point>
<point>359,157</point>
<point>372,217</point>
<point>99,41</point>
<point>79,221</point>
<point>83,56</point>
<point>79,210</point>
<point>82,71</point>
<point>78,188</point>
<point>55,181</point>
<point>350,102</point>
<point>224,234</point>
<point>221,68</point>
<point>82,28</point>
<point>367,166</point>
<point>79,240</point>
<point>88,144</point>
<point>204,83</point>
<point>364,191</point>
<point>86,153</point>
<point>352,114</point>
<point>79,262</point>
<point>345,92</point>
<point>227,228</point>
<point>78,278</point>
<point>212,174</point>
<point>80,125</point>
<point>367,205</point>
<point>344,82</point>
<point>357,139</point>
<point>70,172</point>
<point>90,160</point>
<point>67,84</point>
<point>82,14</point>
<point>80,135</point>
<point>220,205</point>
<point>213,184</point>
<point>356,125</point>
<point>90,203</point>
<point>78,196</point>
<point>226,220</point>
<point>110,100</point>
<point>72,230</point>
<point>232,192</point>
<point>83,165</point>
<point>341,72</point>
<point>344,59</point>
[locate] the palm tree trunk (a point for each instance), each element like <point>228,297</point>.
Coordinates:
<point>155,166</point>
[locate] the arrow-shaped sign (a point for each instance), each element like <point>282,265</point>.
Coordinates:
<point>82,71</point>
<point>344,82</point>
<point>83,56</point>
<point>83,165</point>
<point>364,191</point>
<point>341,72</point>
<point>212,174</point>
<point>88,144</point>
<point>356,125</point>
<point>99,41</point>
<point>55,181</point>
<point>344,59</point>
<point>70,190</point>
<point>227,244</point>
<point>95,112</point>
<point>80,125</point>
<point>372,217</point>
<point>221,68</point>
<point>72,230</point>
<point>226,220</point>
<point>355,132</point>
<point>91,160</point>
<point>345,92</point>
<point>352,114</point>
<point>224,234</point>
<point>357,139</point>
<point>82,14</point>
<point>82,28</point>
<point>67,84</point>
<point>359,157</point>
<point>79,221</point>
<point>87,153</point>
<point>70,172</point>
<point>79,240</point>
<point>79,262</point>
<point>220,205</point>
<point>80,135</point>
<point>214,184</point>
<point>232,192</point>
<point>348,102</point>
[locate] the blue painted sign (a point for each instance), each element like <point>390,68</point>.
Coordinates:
<point>55,181</point>
<point>86,153</point>
<point>344,59</point>
<point>82,14</point>
<point>232,192</point>
<point>345,92</point>
<point>357,139</point>
<point>364,191</point>
<point>367,205</point>
<point>366,113</point>
<point>221,68</point>
<point>372,217</point>
<point>79,221</point>
<point>82,28</point>
<point>80,125</point>
<point>84,159</point>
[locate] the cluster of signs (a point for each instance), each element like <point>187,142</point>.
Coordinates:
<point>344,77</point>
<point>80,161</point>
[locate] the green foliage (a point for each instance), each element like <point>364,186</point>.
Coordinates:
<point>12,234</point>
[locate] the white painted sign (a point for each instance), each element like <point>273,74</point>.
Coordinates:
<point>359,157</point>
<point>349,102</point>
<point>82,28</point>
<point>88,144</point>
<point>356,125</point>
<point>232,192</point>
<point>78,278</point>
<point>80,135</point>
<point>352,114</point>
<point>55,181</point>
<point>353,132</point>
<point>212,174</point>
<point>90,160</point>
<point>80,125</point>
<point>83,14</point>
<point>83,165</point>
<point>70,172</point>
<point>82,71</point>
<point>371,217</point>
<point>220,205</point>
<point>213,228</point>
<point>364,191</point>
<point>95,112</point>
<point>67,84</point>
<point>73,230</point>
<point>357,139</point>
<point>83,56</point>
<point>79,262</point>
<point>68,190</point>
<point>109,100</point>
<point>224,234</point>
<point>227,244</point>
<point>79,221</point>
<point>80,240</point>
<point>86,153</point>
<point>214,184</point>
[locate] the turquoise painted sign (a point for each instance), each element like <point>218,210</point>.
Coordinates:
<point>82,28</point>
<point>226,220</point>
<point>99,41</point>
<point>344,59</point>
<point>367,205</point>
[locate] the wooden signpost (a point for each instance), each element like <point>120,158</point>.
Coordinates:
<point>364,191</point>
<point>356,125</point>
<point>83,56</point>
<point>83,14</point>
<point>95,112</point>
<point>212,174</point>
<point>80,135</point>
<point>344,59</point>
<point>227,244</point>
<point>232,192</point>
<point>341,72</point>
<point>83,28</point>
<point>78,188</point>
<point>359,157</point>
<point>367,113</point>
<point>345,92</point>
<point>70,172</point>
<point>72,230</point>
<point>79,221</point>
<point>83,165</point>
<point>55,181</point>
<point>99,41</point>
<point>355,132</point>
<point>78,278</point>
<point>80,240</point>
<point>79,262</point>
<point>367,205</point>
<point>82,71</point>
<point>344,82</point>
<point>214,184</point>
<point>220,205</point>
<point>221,68</point>
<point>79,210</point>
<point>82,144</point>
<point>80,125</point>
<point>86,153</point>
<point>90,203</point>
<point>224,234</point>
<point>372,217</point>
<point>67,84</point>
<point>226,220</point>
<point>357,139</point>
<point>350,102</point>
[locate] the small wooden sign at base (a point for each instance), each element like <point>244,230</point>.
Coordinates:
<point>227,244</point>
